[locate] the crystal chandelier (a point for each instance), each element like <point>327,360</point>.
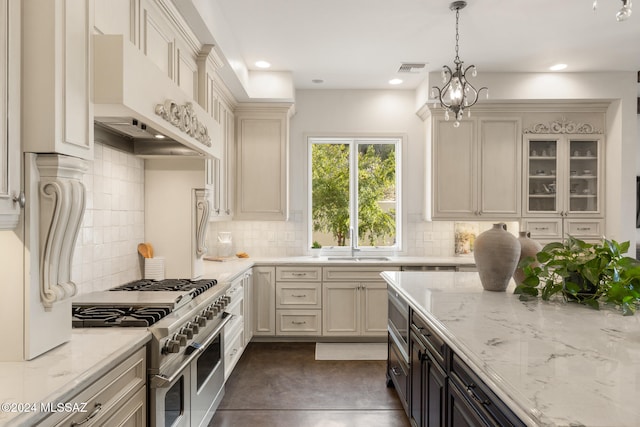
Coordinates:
<point>623,13</point>
<point>457,94</point>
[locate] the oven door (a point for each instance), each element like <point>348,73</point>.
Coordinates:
<point>207,381</point>
<point>169,405</point>
<point>191,395</point>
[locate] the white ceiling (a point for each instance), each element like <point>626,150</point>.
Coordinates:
<point>360,44</point>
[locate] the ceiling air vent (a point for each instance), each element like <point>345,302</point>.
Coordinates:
<point>412,67</point>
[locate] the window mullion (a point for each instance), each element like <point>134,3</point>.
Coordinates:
<point>353,173</point>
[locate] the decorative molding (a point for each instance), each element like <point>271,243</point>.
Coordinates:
<point>184,118</point>
<point>203,212</point>
<point>563,125</point>
<point>61,195</point>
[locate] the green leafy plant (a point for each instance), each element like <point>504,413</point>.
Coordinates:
<point>316,245</point>
<point>585,273</point>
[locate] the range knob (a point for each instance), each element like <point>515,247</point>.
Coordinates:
<point>181,338</point>
<point>187,330</point>
<point>200,321</point>
<point>171,346</point>
<point>195,328</point>
<point>226,299</point>
<point>208,313</point>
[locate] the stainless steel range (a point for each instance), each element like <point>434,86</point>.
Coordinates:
<point>185,358</point>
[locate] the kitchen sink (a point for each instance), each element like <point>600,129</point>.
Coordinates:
<point>358,258</point>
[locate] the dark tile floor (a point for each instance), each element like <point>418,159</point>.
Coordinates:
<point>282,385</point>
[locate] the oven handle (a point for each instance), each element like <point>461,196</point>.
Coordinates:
<point>160,381</point>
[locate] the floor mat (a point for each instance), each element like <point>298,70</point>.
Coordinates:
<point>351,351</point>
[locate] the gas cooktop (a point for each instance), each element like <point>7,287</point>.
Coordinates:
<point>86,317</point>
<point>195,287</point>
<point>138,303</point>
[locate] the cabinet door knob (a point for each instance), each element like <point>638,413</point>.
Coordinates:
<point>20,199</point>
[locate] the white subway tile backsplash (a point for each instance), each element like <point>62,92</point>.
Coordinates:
<point>106,254</point>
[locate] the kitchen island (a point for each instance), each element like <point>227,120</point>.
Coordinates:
<point>551,363</point>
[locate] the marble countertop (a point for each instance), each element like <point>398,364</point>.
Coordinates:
<point>552,363</point>
<point>59,374</point>
<point>230,269</point>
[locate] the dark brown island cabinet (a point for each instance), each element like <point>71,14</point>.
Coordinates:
<point>436,387</point>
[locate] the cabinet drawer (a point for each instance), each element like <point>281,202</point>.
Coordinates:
<point>233,349</point>
<point>585,228</point>
<point>298,274</point>
<point>358,274</point>
<point>544,229</point>
<point>107,395</point>
<point>298,322</point>
<point>478,394</point>
<point>298,295</point>
<point>398,372</point>
<point>431,339</point>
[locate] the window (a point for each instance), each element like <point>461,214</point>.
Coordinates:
<point>354,186</point>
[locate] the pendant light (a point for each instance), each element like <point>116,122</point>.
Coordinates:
<point>457,95</point>
<point>623,14</point>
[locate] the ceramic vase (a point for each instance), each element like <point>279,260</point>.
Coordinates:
<point>528,247</point>
<point>496,252</point>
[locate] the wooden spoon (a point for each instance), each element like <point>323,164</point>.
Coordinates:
<point>149,249</point>
<point>143,250</point>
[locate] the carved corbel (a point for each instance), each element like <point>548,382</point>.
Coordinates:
<point>61,195</point>
<point>202,212</point>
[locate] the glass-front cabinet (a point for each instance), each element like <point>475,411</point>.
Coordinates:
<point>563,175</point>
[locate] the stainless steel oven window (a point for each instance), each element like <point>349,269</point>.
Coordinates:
<point>174,403</point>
<point>208,362</point>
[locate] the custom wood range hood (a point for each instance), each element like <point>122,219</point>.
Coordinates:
<point>136,101</point>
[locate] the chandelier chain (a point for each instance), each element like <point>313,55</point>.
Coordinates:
<point>457,59</point>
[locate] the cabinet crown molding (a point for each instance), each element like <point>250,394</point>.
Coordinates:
<point>562,126</point>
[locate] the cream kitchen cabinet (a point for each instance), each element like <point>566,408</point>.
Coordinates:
<point>10,106</point>
<point>247,285</point>
<point>262,138</point>
<point>564,175</point>
<point>564,186</point>
<point>56,92</point>
<point>354,301</point>
<point>298,301</point>
<point>223,167</point>
<point>118,398</point>
<point>476,168</point>
<point>264,301</point>
<point>219,103</point>
<point>234,331</point>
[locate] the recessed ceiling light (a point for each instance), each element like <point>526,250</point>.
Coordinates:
<point>395,81</point>
<point>317,81</point>
<point>558,67</point>
<point>262,64</point>
<point>159,136</point>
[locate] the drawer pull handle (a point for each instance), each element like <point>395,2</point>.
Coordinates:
<point>424,334</point>
<point>584,228</point>
<point>298,295</point>
<point>298,323</point>
<point>92,415</point>
<point>541,228</point>
<point>395,371</point>
<point>299,274</point>
<point>474,396</point>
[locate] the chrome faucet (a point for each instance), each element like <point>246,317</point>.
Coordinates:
<point>354,246</point>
